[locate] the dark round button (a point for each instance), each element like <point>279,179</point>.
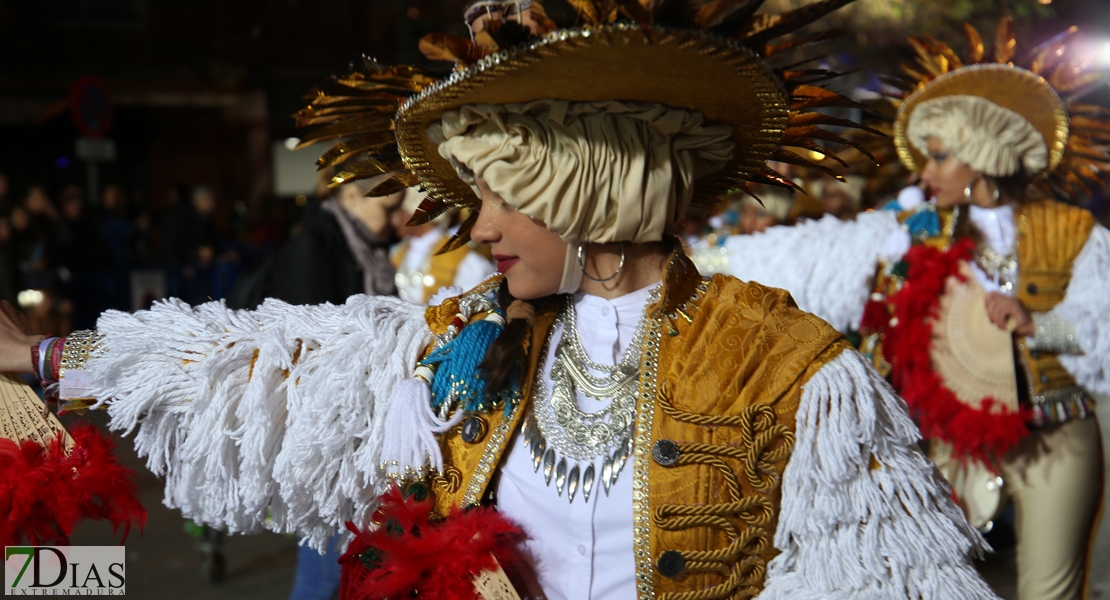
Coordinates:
<point>665,452</point>
<point>671,564</point>
<point>1035,353</point>
<point>1032,289</point>
<point>1044,378</point>
<point>473,430</point>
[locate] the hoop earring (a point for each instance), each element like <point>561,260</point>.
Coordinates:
<point>968,189</point>
<point>997,191</point>
<point>582,265</point>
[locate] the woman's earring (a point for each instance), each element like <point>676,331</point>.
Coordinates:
<point>582,265</point>
<point>969,189</point>
<point>997,191</point>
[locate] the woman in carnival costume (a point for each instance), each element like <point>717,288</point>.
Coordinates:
<point>994,143</point>
<point>652,432</point>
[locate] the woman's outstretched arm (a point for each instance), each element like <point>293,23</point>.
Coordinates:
<point>271,418</point>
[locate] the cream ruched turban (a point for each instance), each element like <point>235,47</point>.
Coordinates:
<point>591,171</point>
<point>990,139</point>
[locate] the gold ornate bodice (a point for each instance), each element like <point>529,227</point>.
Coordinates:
<point>722,370</point>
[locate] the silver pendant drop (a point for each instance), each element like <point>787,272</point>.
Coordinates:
<point>548,465</point>
<point>561,475</point>
<point>572,483</point>
<point>607,473</point>
<point>587,483</point>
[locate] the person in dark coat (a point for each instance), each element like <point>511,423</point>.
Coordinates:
<point>342,250</point>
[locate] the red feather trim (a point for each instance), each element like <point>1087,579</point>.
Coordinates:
<point>986,433</point>
<point>44,492</point>
<point>412,555</point>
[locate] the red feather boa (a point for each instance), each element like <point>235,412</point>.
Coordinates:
<point>44,492</point>
<point>411,555</point>
<point>985,433</point>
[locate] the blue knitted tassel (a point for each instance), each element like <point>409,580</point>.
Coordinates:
<point>458,378</point>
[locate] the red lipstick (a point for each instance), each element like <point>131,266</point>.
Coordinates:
<point>504,263</point>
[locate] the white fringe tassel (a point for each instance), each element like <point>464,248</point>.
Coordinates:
<point>271,418</point>
<point>849,531</point>
<point>410,445</point>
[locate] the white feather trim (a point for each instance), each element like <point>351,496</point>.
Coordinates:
<point>278,410</point>
<point>1086,305</point>
<point>849,531</point>
<point>827,265</point>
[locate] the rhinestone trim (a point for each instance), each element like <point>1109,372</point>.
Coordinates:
<point>641,458</point>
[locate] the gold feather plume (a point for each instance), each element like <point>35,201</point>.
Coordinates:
<point>356,111</point>
<point>1085,165</point>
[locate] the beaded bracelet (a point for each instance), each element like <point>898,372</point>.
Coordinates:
<point>46,358</point>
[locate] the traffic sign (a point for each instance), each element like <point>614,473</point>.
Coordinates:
<point>90,105</point>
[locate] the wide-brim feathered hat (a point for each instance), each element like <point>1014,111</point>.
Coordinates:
<point>1044,87</point>
<point>709,57</point>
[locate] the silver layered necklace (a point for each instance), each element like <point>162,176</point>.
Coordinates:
<point>565,441</point>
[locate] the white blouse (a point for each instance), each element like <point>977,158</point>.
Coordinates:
<point>579,549</point>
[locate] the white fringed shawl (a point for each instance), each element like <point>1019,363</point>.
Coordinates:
<point>827,265</point>
<point>851,531</point>
<point>1087,305</point>
<point>274,412</point>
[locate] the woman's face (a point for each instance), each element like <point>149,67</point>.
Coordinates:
<point>946,177</point>
<point>527,253</point>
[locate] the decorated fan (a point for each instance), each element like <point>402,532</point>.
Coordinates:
<point>50,479</point>
<point>973,356</point>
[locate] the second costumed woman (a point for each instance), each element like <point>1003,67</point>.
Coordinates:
<point>653,433</point>
<point>988,310</point>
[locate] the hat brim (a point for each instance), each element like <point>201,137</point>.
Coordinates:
<point>1013,88</point>
<point>691,70</point>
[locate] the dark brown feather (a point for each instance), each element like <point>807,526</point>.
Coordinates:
<point>508,34</point>
<point>451,48</point>
<point>811,96</point>
<point>354,126</point>
<point>808,144</point>
<point>793,158</point>
<point>1004,42</point>
<point>808,40</point>
<point>739,19</point>
<point>345,151</point>
<point>975,49</point>
<point>394,184</point>
<point>636,11</point>
<point>793,20</point>
<point>814,118</point>
<point>462,236</point>
<point>560,12</point>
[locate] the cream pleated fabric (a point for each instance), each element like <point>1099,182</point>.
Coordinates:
<point>592,172</point>
<point>993,140</point>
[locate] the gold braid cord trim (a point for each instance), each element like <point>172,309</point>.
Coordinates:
<point>722,378</point>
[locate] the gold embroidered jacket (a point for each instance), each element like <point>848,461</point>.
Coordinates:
<point>722,371</point>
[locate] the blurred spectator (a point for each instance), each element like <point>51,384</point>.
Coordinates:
<point>775,209</point>
<point>77,240</point>
<point>188,233</point>
<point>9,279</point>
<point>5,189</point>
<point>842,200</point>
<point>115,228</point>
<point>342,250</point>
<point>33,224</point>
<point>420,271</point>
